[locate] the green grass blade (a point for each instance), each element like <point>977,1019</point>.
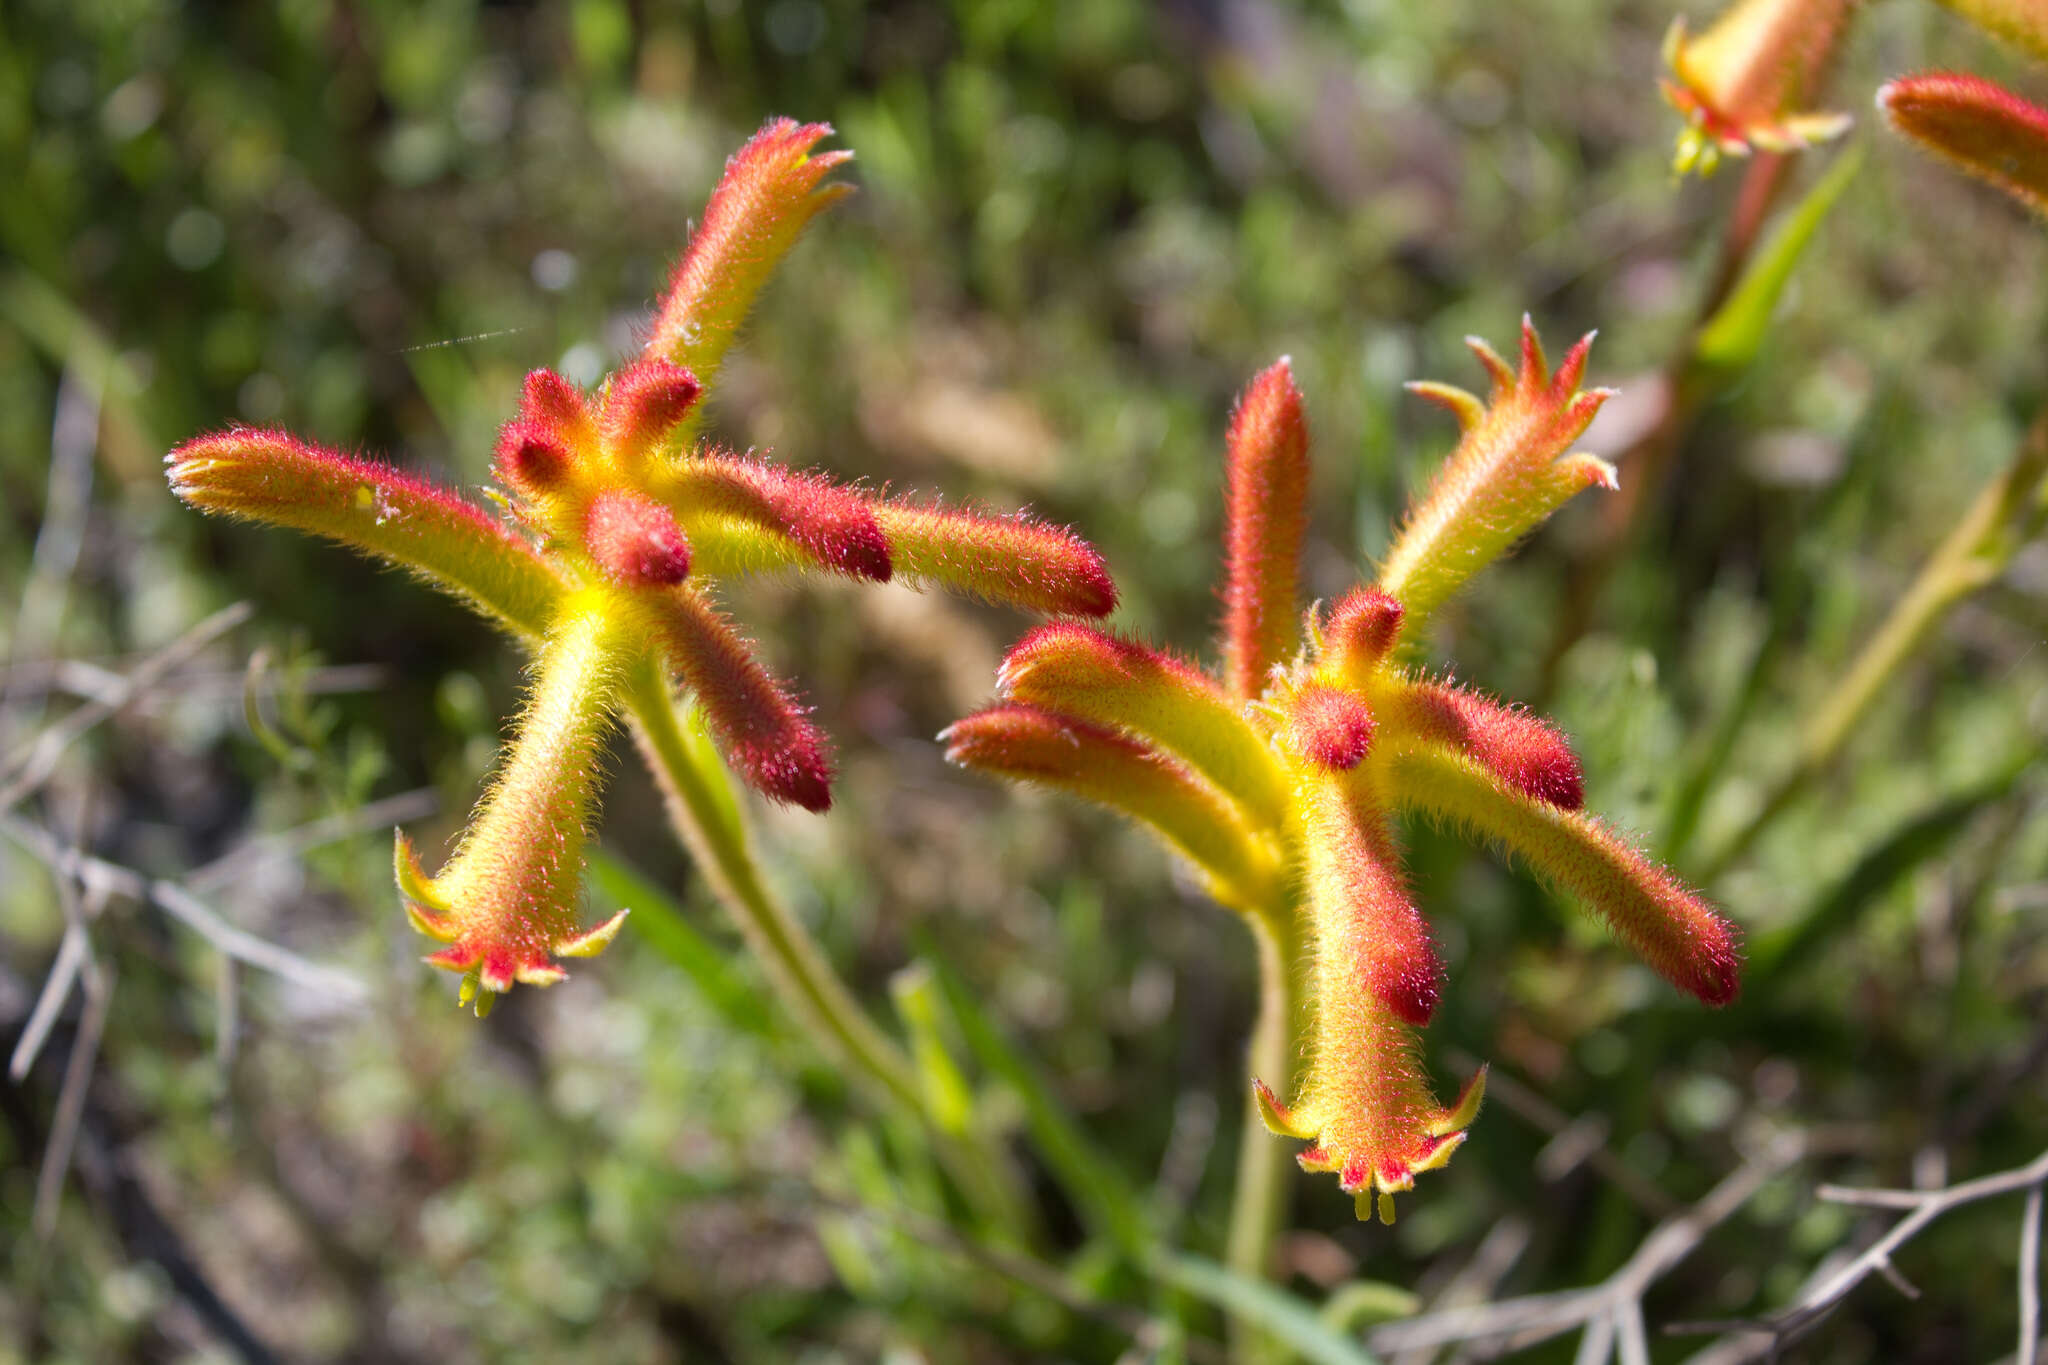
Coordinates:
<point>659,920</point>
<point>1281,1315</point>
<point>1099,1191</point>
<point>1731,338</point>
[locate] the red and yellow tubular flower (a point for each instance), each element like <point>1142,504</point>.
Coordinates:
<point>1977,125</point>
<point>1511,470</point>
<point>1741,84</point>
<point>1284,781</point>
<point>619,523</point>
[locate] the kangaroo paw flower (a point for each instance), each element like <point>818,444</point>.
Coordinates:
<point>1378,1127</point>
<point>1013,560</point>
<point>1282,780</point>
<point>369,506</point>
<point>1739,85</point>
<point>615,520</point>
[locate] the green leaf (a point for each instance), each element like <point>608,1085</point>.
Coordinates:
<point>1357,1304</point>
<point>1835,913</point>
<point>947,1097</point>
<point>1100,1194</point>
<point>1731,338</point>
<point>659,920</point>
<point>1278,1313</point>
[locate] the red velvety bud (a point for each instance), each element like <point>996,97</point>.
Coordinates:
<point>1977,125</point>
<point>1362,629</point>
<point>531,458</point>
<point>1371,940</point>
<point>835,526</point>
<point>1519,747</point>
<point>759,727</point>
<point>552,402</point>
<point>1328,726</point>
<point>644,402</point>
<point>634,539</point>
<point>1013,559</point>
<point>1265,512</point>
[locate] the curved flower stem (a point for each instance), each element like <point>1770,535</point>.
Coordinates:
<point>708,820</point>
<point>1264,1164</point>
<point>2005,516</point>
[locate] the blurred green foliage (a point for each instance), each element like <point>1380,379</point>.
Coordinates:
<point>1080,228</point>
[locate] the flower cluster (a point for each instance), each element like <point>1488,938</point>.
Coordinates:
<point>1282,779</point>
<point>620,519</point>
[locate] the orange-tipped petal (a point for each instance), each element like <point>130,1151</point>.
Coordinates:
<point>770,191</point>
<point>1030,745</point>
<point>1511,470</point>
<point>1521,748</point>
<point>728,502</point>
<point>1265,513</point>
<point>1080,671</point>
<point>1014,560</point>
<point>273,477</point>
<point>1977,125</point>
<point>762,731</point>
<point>635,540</point>
<point>1670,927</point>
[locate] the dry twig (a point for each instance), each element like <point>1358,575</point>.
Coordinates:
<point>1610,1313</point>
<point>1923,1207</point>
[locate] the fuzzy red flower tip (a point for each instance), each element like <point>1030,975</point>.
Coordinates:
<point>634,539</point>
<point>1977,125</point>
<point>550,401</point>
<point>1015,559</point>
<point>770,190</point>
<point>1362,629</point>
<point>1265,514</point>
<point>531,458</point>
<point>835,526</point>
<point>1328,726</point>
<point>644,402</point>
<point>1521,748</point>
<point>759,727</point>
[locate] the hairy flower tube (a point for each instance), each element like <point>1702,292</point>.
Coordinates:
<point>1741,85</point>
<point>620,520</point>
<point>1283,779</point>
<point>1977,125</point>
